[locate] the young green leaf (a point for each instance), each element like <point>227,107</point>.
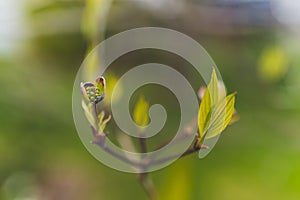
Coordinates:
<point>101,116</point>
<point>213,88</point>
<point>100,84</point>
<point>94,92</point>
<point>215,112</point>
<point>89,116</point>
<point>220,117</point>
<point>210,98</point>
<point>103,123</point>
<point>140,114</point>
<point>204,112</point>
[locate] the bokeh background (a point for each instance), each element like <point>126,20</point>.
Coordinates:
<point>255,44</point>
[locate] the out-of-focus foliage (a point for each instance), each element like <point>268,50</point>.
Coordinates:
<point>110,88</point>
<point>174,189</point>
<point>94,20</point>
<point>141,110</point>
<point>273,64</point>
<point>41,155</point>
<point>93,27</point>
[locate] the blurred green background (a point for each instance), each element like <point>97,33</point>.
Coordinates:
<point>255,44</point>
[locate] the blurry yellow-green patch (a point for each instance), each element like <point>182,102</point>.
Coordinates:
<point>140,114</point>
<point>94,16</point>
<point>273,64</point>
<point>91,66</point>
<point>179,183</point>
<point>111,81</point>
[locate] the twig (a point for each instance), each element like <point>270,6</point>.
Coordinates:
<point>143,145</point>
<point>96,115</point>
<point>185,134</point>
<point>100,141</point>
<point>148,186</point>
<point>144,178</point>
<point>195,148</point>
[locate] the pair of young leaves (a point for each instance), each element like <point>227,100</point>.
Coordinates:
<point>215,111</point>
<point>93,93</point>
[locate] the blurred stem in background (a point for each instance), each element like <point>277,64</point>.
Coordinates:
<point>93,27</point>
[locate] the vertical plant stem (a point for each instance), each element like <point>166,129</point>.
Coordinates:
<point>144,178</point>
<point>148,186</point>
<point>96,116</point>
<point>143,145</point>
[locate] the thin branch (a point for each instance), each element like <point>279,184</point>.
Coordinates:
<point>143,145</point>
<point>185,134</point>
<point>100,141</point>
<point>148,186</point>
<point>144,178</point>
<point>166,159</point>
<point>96,115</point>
<point>195,148</point>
